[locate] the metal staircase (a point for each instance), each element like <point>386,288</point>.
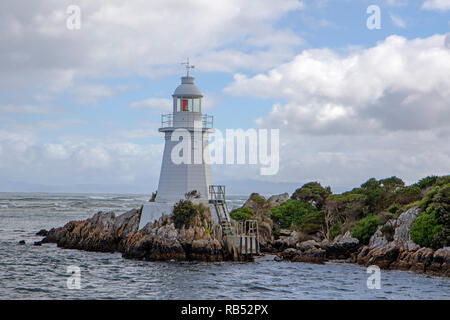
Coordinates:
<point>217,197</point>
<point>243,235</point>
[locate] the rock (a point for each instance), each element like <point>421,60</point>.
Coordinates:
<point>346,240</point>
<point>342,247</point>
<point>286,242</point>
<point>383,257</point>
<point>158,240</point>
<point>421,259</point>
<point>278,258</point>
<point>307,245</point>
<point>285,232</point>
<point>37,243</point>
<point>401,237</point>
<point>42,233</point>
<point>22,242</point>
<point>265,235</point>
<point>378,240</point>
<point>309,254</point>
<point>403,225</point>
<point>402,253</point>
<point>278,199</point>
<point>103,232</point>
<point>255,202</point>
<point>441,262</point>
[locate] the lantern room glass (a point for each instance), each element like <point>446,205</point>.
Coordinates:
<point>188,104</point>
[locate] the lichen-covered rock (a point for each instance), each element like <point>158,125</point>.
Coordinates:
<point>403,225</point>
<point>286,242</point>
<point>103,232</point>
<point>312,251</point>
<point>159,240</point>
<point>441,262</point>
<point>278,199</point>
<point>401,253</point>
<point>309,253</point>
<point>342,247</point>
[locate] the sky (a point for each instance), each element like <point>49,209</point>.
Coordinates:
<point>80,108</point>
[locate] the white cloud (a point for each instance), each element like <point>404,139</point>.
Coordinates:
<point>440,5</point>
<point>23,158</point>
<point>397,85</point>
<point>156,105</point>
<point>139,38</point>
<point>396,3</point>
<point>379,112</point>
<point>92,93</point>
<point>397,21</point>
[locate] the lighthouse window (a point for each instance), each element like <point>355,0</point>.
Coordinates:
<point>188,105</point>
<point>196,104</point>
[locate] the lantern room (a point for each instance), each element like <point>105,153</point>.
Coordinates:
<point>187,96</point>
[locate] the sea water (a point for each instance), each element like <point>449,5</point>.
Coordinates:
<point>41,272</point>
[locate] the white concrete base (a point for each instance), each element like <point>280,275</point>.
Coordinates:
<point>152,211</point>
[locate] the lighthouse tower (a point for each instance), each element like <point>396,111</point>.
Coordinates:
<point>185,165</point>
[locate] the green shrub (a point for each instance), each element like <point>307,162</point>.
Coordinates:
<point>183,212</point>
<point>258,198</point>
<point>242,214</point>
<point>312,222</point>
<point>335,230</point>
<point>365,228</point>
<point>428,199</point>
<point>389,216</point>
<point>394,208</point>
<point>424,229</point>
<point>427,182</point>
<point>408,194</point>
<point>392,184</point>
<point>441,181</point>
<point>289,214</point>
<point>348,197</point>
<point>313,193</point>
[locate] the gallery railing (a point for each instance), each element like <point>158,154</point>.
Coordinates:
<point>167,121</point>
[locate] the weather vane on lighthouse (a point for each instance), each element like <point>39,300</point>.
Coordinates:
<point>188,66</point>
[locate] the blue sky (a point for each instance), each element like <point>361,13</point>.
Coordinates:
<point>80,109</point>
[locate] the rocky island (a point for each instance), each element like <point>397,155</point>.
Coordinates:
<point>383,223</point>
<point>166,239</point>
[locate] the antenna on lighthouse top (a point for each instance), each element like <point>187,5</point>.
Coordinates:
<point>188,66</point>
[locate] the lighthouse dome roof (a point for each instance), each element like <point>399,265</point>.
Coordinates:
<point>187,88</point>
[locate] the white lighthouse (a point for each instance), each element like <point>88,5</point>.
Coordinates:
<point>187,123</point>
<point>185,163</point>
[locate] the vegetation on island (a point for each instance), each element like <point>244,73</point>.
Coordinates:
<point>315,211</point>
<point>185,211</point>
<point>242,214</point>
